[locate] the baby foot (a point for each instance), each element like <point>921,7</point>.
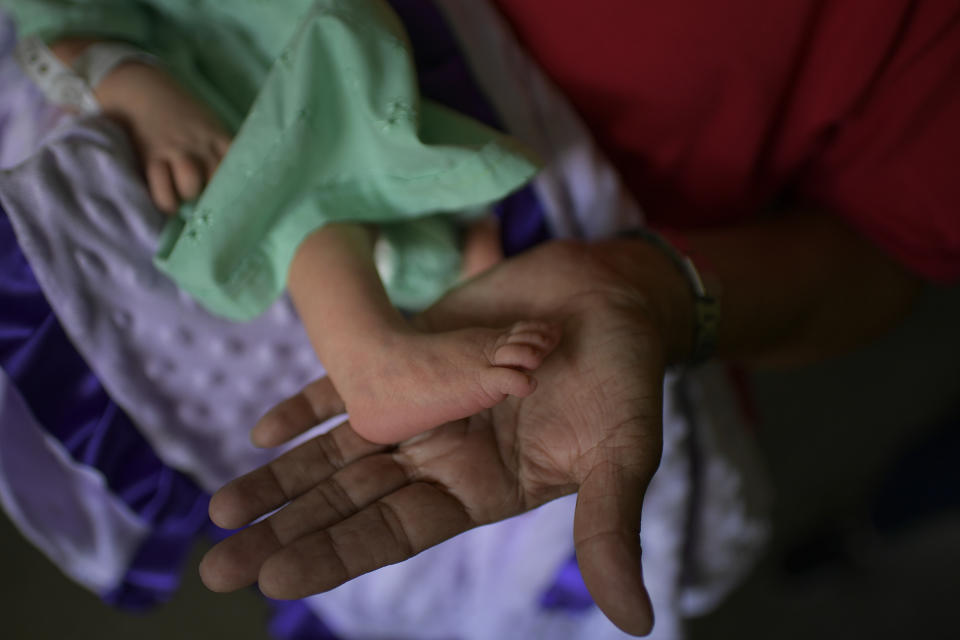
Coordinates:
<point>179,140</point>
<point>413,382</point>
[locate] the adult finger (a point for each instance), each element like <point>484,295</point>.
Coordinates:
<point>338,498</point>
<point>606,532</point>
<point>274,484</point>
<point>317,402</point>
<point>388,531</point>
<point>236,562</point>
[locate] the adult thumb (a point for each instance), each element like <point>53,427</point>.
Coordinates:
<point>606,532</point>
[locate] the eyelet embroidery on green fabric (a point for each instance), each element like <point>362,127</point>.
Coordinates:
<point>300,159</point>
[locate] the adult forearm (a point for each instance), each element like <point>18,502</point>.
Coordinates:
<point>794,288</point>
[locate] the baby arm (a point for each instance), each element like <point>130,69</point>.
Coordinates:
<point>178,139</point>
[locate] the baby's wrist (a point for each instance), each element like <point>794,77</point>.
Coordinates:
<point>114,89</point>
<point>81,74</point>
<point>69,49</point>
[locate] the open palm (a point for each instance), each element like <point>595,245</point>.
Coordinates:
<point>592,426</point>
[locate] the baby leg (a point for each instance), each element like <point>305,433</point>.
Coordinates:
<point>394,380</point>
<point>481,247</point>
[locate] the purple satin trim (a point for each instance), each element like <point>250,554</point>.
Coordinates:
<point>523,223</point>
<point>68,400</point>
<point>444,76</point>
<point>568,592</point>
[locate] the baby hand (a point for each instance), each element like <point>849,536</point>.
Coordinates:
<point>180,142</point>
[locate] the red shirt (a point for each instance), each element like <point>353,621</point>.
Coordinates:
<point>712,111</point>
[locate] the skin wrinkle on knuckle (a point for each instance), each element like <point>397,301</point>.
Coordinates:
<point>346,573</point>
<point>472,519</point>
<point>293,474</point>
<point>329,451</point>
<point>621,534</point>
<point>394,525</point>
<point>337,498</point>
<point>274,476</point>
<point>291,561</point>
<point>404,465</point>
<point>273,525</point>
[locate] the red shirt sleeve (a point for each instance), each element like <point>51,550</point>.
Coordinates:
<point>892,165</point>
<point>712,111</point>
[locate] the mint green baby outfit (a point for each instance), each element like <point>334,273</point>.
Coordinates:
<point>334,131</point>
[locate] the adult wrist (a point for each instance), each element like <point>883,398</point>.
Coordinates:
<point>677,290</point>
<point>650,283</point>
<point>704,288</point>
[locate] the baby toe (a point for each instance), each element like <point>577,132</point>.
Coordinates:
<point>501,382</point>
<point>520,355</point>
<point>544,335</point>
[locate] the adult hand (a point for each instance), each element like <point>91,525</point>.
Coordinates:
<point>592,426</point>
